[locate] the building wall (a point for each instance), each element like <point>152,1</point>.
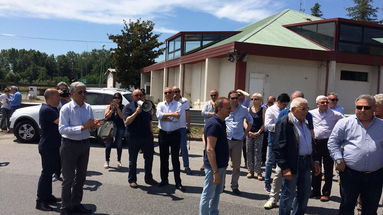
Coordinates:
<point>156,83</point>
<point>226,76</point>
<point>348,91</point>
<point>211,77</point>
<point>173,76</point>
<point>283,75</point>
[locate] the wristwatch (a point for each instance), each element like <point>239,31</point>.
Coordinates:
<point>339,161</point>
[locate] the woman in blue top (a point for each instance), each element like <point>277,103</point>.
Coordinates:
<point>255,137</point>
<point>113,112</point>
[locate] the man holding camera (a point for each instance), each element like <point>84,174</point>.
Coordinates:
<point>63,90</point>
<point>139,125</point>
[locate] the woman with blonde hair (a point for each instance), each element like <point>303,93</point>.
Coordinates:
<point>255,137</point>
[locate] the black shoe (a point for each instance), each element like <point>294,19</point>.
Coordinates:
<point>151,181</point>
<point>81,209</point>
<point>163,183</point>
<point>188,171</point>
<point>53,200</point>
<point>180,187</point>
<point>43,206</point>
<point>236,192</point>
<point>64,211</point>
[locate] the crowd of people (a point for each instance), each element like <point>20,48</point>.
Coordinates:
<point>302,146</point>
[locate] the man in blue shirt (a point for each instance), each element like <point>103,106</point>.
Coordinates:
<point>15,99</point>
<point>139,124</point>
<point>49,146</point>
<point>75,122</point>
<point>216,158</point>
<point>356,144</point>
<point>235,134</point>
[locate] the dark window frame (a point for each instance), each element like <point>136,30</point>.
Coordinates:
<point>347,75</point>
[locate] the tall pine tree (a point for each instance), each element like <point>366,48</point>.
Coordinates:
<point>137,47</point>
<point>363,11</point>
<point>315,10</point>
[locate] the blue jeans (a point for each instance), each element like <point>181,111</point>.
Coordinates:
<point>270,159</point>
<point>367,185</point>
<point>208,204</point>
<point>296,192</point>
<point>183,146</point>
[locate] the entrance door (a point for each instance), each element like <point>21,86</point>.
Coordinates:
<point>256,83</point>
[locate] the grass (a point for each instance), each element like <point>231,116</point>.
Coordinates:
<point>195,132</point>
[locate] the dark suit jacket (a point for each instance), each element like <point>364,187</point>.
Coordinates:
<point>286,144</point>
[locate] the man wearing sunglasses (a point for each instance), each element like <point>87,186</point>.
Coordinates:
<point>75,123</point>
<point>356,145</point>
<point>168,115</point>
<point>324,121</point>
<point>139,125</point>
<point>333,102</point>
<point>184,122</point>
<point>208,111</point>
<point>235,135</point>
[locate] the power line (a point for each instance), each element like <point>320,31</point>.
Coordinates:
<point>54,39</point>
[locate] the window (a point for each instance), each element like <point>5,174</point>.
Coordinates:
<point>361,39</point>
<point>351,33</point>
<point>173,48</point>
<point>192,42</point>
<point>353,76</point>
<point>322,33</point>
<point>128,96</point>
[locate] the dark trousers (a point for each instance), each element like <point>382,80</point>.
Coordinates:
<point>50,160</point>
<point>120,133</point>
<point>5,115</point>
<point>367,185</point>
<point>320,147</point>
<point>74,162</point>
<point>135,144</point>
<point>264,146</point>
<point>171,140</point>
<point>244,150</point>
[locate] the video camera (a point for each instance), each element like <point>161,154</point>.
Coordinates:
<point>64,93</point>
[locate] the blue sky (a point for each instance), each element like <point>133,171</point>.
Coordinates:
<point>83,25</point>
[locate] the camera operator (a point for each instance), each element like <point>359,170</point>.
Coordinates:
<point>64,94</point>
<point>63,89</point>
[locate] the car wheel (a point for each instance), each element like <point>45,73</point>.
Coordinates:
<point>27,131</point>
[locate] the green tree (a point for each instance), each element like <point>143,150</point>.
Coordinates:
<point>315,10</point>
<point>363,11</point>
<point>137,47</point>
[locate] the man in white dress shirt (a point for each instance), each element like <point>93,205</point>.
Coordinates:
<point>324,121</point>
<point>168,114</point>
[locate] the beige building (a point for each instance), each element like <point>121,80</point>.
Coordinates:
<point>282,53</point>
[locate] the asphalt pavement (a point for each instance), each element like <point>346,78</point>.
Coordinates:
<point>107,191</point>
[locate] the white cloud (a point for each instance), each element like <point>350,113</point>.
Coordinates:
<point>114,11</point>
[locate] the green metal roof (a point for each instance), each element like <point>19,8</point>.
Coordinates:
<point>270,31</point>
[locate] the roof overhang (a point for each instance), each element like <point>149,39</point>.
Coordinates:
<point>338,20</point>
<point>269,51</point>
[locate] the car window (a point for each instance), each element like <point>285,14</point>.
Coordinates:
<point>128,97</point>
<point>107,99</point>
<point>98,98</point>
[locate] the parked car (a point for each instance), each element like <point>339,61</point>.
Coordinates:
<point>25,121</point>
